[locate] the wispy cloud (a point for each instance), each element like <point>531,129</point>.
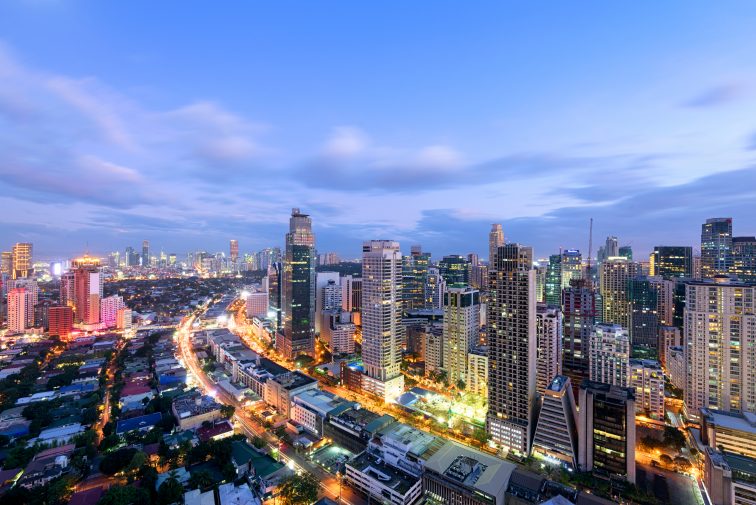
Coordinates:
<point>717,95</point>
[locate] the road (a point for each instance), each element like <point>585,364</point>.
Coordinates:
<point>329,483</point>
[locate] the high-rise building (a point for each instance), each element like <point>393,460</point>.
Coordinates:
<point>60,320</point>
<point>435,289</point>
<point>20,310</point>
<point>556,435</point>
<point>495,240</point>
<point>579,303</point>
<point>6,263</point>
<point>609,355</point>
<point>322,280</point>
<point>615,272</point>
<point>512,348</point>
<point>626,251</point>
<point>109,307</point>
<point>477,371</point>
<point>275,293</point>
<point>647,378</point>
<point>23,265</point>
<point>716,247</point>
<point>145,253</point>
<point>479,276</point>
<point>461,326</point>
<point>455,269</point>
<point>606,430</point>
<point>541,269</point>
<point>298,289</point>
<point>553,285</point>
<point>68,288</point>
<point>744,258</point>
<point>719,336</point>
<point>571,266</point>
<point>87,290</point>
<point>608,250</point>
<point>671,262</point>
<point>382,333</point>
<point>548,345</point>
<point>644,318</point>
<point>234,252</point>
<point>665,299</point>
<point>414,278</point>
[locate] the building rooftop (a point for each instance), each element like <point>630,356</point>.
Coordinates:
<point>294,380</point>
<point>388,476</point>
<point>319,400</point>
<point>742,422</point>
<point>194,404</point>
<point>618,391</point>
<point>138,423</point>
<point>472,468</point>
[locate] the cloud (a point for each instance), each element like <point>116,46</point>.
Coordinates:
<point>346,142</point>
<point>717,95</point>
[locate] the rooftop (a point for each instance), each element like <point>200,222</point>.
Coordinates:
<point>743,422</point>
<point>294,380</point>
<point>138,423</point>
<point>617,391</point>
<point>388,476</point>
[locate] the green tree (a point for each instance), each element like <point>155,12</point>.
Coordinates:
<point>59,491</point>
<point>125,495</point>
<point>19,456</point>
<point>674,438</point>
<point>170,491</point>
<point>299,489</point>
<point>461,385</point>
<point>227,411</point>
<point>201,479</point>
<point>137,461</point>
<point>116,461</point>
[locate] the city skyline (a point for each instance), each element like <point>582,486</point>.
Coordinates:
<point>391,122</point>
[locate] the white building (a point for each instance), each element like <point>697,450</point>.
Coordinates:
<point>647,377</point>
<point>477,371</point>
<point>256,304</point>
<point>609,355</point>
<point>460,333</point>
<point>548,345</point>
<point>109,307</point>
<point>322,279</point>
<point>337,331</point>
<point>676,367</point>
<point>382,331</point>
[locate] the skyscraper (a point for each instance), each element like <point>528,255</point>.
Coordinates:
<point>234,252</point>
<point>22,261</point>
<point>512,348</point>
<point>609,354</point>
<point>719,340</point>
<point>579,303</point>
<point>298,289</point>
<point>87,290</point>
<point>548,345</point>
<point>6,263</point>
<point>671,262</point>
<point>495,240</point>
<point>615,272</point>
<point>414,278</point>
<point>716,247</point>
<point>571,266</point>
<point>644,317</point>
<point>556,433</point>
<point>455,269</point>
<point>382,333</point>
<point>20,310</point>
<point>145,253</point>
<point>553,285</point>
<point>275,292</point>
<point>744,258</point>
<point>461,326</point>
<point>322,280</point>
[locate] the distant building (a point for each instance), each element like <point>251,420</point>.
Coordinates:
<point>716,247</point>
<point>615,273</point>
<point>23,263</point>
<point>744,258</point>
<point>669,262</point>
<point>109,308</point>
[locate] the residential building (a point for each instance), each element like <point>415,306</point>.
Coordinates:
<point>495,240</point>
<point>609,355</point>
<point>647,377</point>
<point>616,271</point>
<point>60,320</point>
<point>477,371</point>
<point>571,266</point>
<point>337,331</point>
<point>87,290</point>
<point>460,333</point>
<point>744,258</point>
<point>644,320</point>
<point>676,367</point>
<point>548,345</point>
<point>23,264</point>
<point>556,438</point>
<point>109,308</point>
<point>327,295</point>
<point>193,409</point>
<point>580,311</point>
<point>280,391</point>
<point>716,247</point>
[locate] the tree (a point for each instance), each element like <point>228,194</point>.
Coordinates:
<point>116,461</point>
<point>59,491</point>
<point>109,442</point>
<point>19,456</point>
<point>461,385</point>
<point>227,411</point>
<point>674,438</point>
<point>170,491</point>
<point>125,495</point>
<point>137,461</point>
<point>201,479</point>
<point>299,489</point>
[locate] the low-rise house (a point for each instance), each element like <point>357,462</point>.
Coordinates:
<point>141,423</point>
<point>193,409</point>
<point>46,466</point>
<point>228,494</point>
<point>216,431</point>
<point>60,434</point>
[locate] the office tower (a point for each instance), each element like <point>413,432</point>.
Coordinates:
<point>716,247</point>
<point>68,288</point>
<point>275,293</point>
<point>455,270</point>
<point>671,262</point>
<point>435,289</point>
<point>6,263</point>
<point>461,326</point>
<point>644,319</point>
<point>414,277</point>
<point>22,261</point>
<point>322,279</point>
<point>665,299</point>
<point>109,307</point>
<point>382,334</point>
<point>548,345</point>
<point>606,430</point>
<point>626,251</point>
<point>579,303</point>
<point>145,253</point>
<point>719,335</point>
<point>556,435</point>
<point>553,285</point>
<point>609,355</point>
<point>473,259</point>
<point>512,348</point>
<point>234,252</point>
<point>20,310</point>
<point>647,378</point>
<point>571,266</point>
<point>610,249</point>
<point>87,290</point>
<point>298,289</point>
<point>541,271</point>
<point>60,321</point>
<point>479,276</point>
<point>615,272</point>
<point>744,258</point>
<point>477,371</point>
<point>495,240</point>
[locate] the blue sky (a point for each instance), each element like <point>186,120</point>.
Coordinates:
<point>191,123</point>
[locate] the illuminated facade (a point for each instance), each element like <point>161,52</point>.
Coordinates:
<point>744,258</point>
<point>609,355</point>
<point>580,311</point>
<point>615,273</point>
<point>414,278</point>
<point>87,290</point>
<point>495,240</point>
<point>716,247</point>
<point>548,346</point>
<point>669,262</point>
<point>22,261</point>
<point>461,325</point>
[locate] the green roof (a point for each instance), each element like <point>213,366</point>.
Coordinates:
<point>243,453</point>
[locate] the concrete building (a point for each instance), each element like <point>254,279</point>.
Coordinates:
<point>433,348</point>
<point>730,432</point>
<point>193,409</point>
<point>609,355</point>
<point>670,262</point>
<point>87,290</point>
<point>730,479</point>
<point>257,303</point>
<point>382,332</point>
<point>20,310</point>
<point>719,334</point>
<point>556,438</point>
<point>676,367</point>
<point>580,315</point>
<point>109,308</point>
<point>647,377</point>
<point>23,264</point>
<point>495,240</point>
<point>548,345</point>
<point>60,319</point>
<point>477,371</point>
<point>280,391</point>
<point>312,407</point>
<point>512,348</point>
<point>384,484</point>
<point>327,295</point>
<point>606,430</point>
<point>461,327</point>
<point>615,273</point>
<point>716,247</point>
<point>337,331</point>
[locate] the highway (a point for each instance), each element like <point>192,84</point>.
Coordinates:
<point>330,484</point>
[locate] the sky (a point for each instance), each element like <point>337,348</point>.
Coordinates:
<point>191,123</point>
